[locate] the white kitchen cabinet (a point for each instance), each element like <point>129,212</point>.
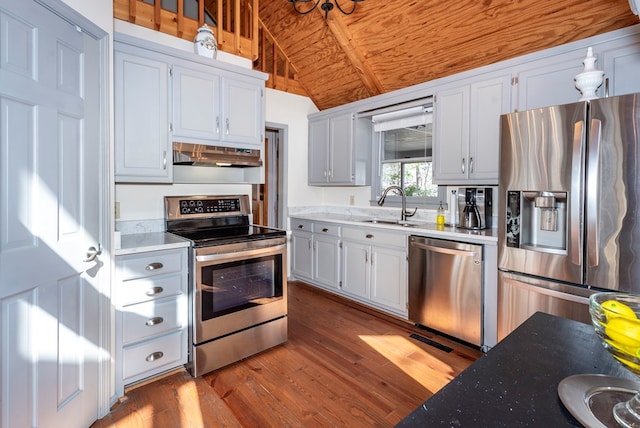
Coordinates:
<point>374,268</point>
<point>141,94</point>
<point>316,253</point>
<point>150,297</point>
<point>214,107</point>
<point>620,64</point>
<point>548,81</point>
<point>326,255</point>
<point>339,151</point>
<point>302,249</point>
<point>467,131</point>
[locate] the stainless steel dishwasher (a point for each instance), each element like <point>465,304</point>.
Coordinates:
<point>445,287</point>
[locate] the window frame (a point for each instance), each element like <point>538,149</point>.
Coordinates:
<point>393,199</point>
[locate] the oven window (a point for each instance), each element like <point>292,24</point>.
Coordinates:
<point>237,285</point>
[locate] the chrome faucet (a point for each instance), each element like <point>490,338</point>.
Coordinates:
<point>405,213</point>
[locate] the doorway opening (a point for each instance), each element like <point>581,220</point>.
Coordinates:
<point>269,199</point>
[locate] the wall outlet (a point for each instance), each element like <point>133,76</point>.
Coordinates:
<point>117,210</point>
<point>352,199</point>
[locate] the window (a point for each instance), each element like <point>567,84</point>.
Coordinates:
<point>404,140</point>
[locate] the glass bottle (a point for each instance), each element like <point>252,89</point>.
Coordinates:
<point>440,215</point>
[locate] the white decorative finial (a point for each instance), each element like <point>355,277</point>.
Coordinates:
<point>590,79</point>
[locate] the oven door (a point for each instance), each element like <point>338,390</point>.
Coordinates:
<point>238,286</point>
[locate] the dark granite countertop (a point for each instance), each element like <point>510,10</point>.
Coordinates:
<point>515,384</point>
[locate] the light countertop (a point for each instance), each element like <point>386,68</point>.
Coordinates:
<point>141,242</point>
<point>428,229</point>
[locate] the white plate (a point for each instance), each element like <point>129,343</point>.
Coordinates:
<point>590,397</point>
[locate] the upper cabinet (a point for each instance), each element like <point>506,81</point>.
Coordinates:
<point>620,63</point>
<point>548,81</point>
<point>467,131</point>
<point>164,95</point>
<point>142,144</point>
<point>212,107</point>
<point>339,151</point>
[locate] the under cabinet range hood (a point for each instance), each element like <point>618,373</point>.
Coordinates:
<point>203,155</point>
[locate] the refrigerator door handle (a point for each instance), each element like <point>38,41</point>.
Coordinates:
<point>595,138</point>
<point>575,234</point>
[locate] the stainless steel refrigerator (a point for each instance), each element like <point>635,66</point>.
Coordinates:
<point>569,207</point>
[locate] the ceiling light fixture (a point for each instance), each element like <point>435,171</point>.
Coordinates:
<point>325,5</point>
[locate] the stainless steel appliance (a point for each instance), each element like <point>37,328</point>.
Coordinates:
<point>238,284</point>
<point>445,287</point>
<point>475,207</point>
<point>568,207</point>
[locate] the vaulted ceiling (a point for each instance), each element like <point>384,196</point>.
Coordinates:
<point>387,45</point>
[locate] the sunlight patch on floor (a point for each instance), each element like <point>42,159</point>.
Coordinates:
<point>188,397</point>
<point>423,367</point>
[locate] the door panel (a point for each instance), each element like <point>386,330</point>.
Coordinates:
<point>51,139</point>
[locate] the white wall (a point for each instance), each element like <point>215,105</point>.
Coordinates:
<point>100,12</point>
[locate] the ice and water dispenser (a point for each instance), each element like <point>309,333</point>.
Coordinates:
<point>537,220</point>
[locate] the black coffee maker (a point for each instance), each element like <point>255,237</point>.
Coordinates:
<point>474,207</point>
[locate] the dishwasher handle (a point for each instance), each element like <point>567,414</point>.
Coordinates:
<point>444,250</point>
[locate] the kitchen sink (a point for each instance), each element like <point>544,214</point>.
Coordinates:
<point>393,222</point>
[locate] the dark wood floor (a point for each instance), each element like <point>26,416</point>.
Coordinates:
<point>343,365</point>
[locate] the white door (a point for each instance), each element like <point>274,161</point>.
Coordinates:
<point>50,162</point>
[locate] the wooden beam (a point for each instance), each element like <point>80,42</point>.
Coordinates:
<point>157,19</point>
<point>180,18</point>
<point>132,10</point>
<point>353,53</point>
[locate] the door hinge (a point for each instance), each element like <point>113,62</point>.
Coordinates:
<point>340,284</point>
<point>514,80</point>
<point>339,244</point>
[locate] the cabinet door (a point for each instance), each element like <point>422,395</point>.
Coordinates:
<point>451,135</point>
<point>318,151</point>
<point>389,278</point>
<point>141,109</point>
<point>196,101</point>
<point>621,65</point>
<point>242,104</point>
<point>356,269</point>
<point>489,100</point>
<point>326,261</point>
<point>301,245</point>
<point>341,149</point>
<point>549,82</point>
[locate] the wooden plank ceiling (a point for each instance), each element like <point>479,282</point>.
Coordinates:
<point>387,45</point>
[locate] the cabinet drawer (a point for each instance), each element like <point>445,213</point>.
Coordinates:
<point>148,319</point>
<point>146,289</point>
<point>154,354</point>
<point>375,236</point>
<point>153,263</point>
<point>301,225</point>
<point>330,229</point>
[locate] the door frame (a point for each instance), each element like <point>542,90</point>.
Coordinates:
<point>283,154</point>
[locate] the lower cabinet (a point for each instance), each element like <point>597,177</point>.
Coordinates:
<point>375,268</point>
<point>151,314</point>
<point>365,264</point>
<point>316,252</point>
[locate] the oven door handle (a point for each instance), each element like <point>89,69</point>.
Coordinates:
<point>244,254</point>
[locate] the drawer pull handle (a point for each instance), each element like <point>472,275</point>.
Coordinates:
<point>154,356</point>
<point>370,236</point>
<point>154,266</point>
<point>301,226</point>
<point>154,321</point>
<point>154,290</point>
<point>325,229</point>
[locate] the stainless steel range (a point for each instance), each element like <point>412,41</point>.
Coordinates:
<point>238,281</point>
